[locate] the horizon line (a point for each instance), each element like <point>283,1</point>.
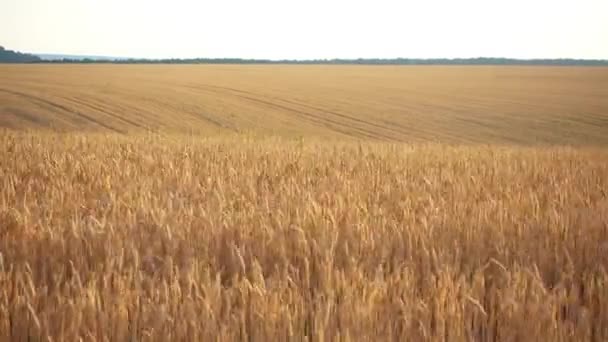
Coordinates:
<point>101,58</point>
<point>318,59</point>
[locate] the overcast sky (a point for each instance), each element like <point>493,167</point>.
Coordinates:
<point>278,29</point>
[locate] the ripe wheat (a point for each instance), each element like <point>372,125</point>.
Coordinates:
<point>167,238</point>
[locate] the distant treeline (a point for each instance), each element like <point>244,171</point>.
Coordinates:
<point>363,61</point>
<point>9,56</point>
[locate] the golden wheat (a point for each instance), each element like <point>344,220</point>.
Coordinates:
<point>167,238</point>
<point>523,105</point>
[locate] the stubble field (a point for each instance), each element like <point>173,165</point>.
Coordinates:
<point>275,203</point>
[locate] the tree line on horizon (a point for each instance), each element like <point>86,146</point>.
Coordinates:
<point>9,56</point>
<point>360,61</point>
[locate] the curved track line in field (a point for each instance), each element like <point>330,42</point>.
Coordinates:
<point>195,114</point>
<point>402,130</point>
<point>23,115</point>
<point>345,116</point>
<point>328,123</point>
<point>311,117</point>
<point>105,111</point>
<point>57,106</point>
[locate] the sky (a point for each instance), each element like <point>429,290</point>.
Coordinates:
<point>311,29</point>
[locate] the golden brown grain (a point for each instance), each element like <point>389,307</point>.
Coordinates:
<point>474,104</point>
<point>173,237</point>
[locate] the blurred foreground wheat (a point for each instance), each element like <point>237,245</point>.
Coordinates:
<point>149,238</point>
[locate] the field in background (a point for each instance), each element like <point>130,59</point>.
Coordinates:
<point>172,203</point>
<point>484,104</point>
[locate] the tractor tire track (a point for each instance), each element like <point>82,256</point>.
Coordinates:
<point>311,117</point>
<point>99,108</point>
<point>322,110</point>
<point>60,107</point>
<point>23,115</point>
<point>344,116</point>
<point>314,121</point>
<point>197,115</point>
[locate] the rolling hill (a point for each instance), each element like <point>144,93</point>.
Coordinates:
<point>472,104</point>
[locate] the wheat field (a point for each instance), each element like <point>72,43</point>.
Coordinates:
<point>512,105</point>
<point>303,203</point>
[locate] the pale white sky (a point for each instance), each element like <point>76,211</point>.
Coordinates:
<point>278,29</point>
